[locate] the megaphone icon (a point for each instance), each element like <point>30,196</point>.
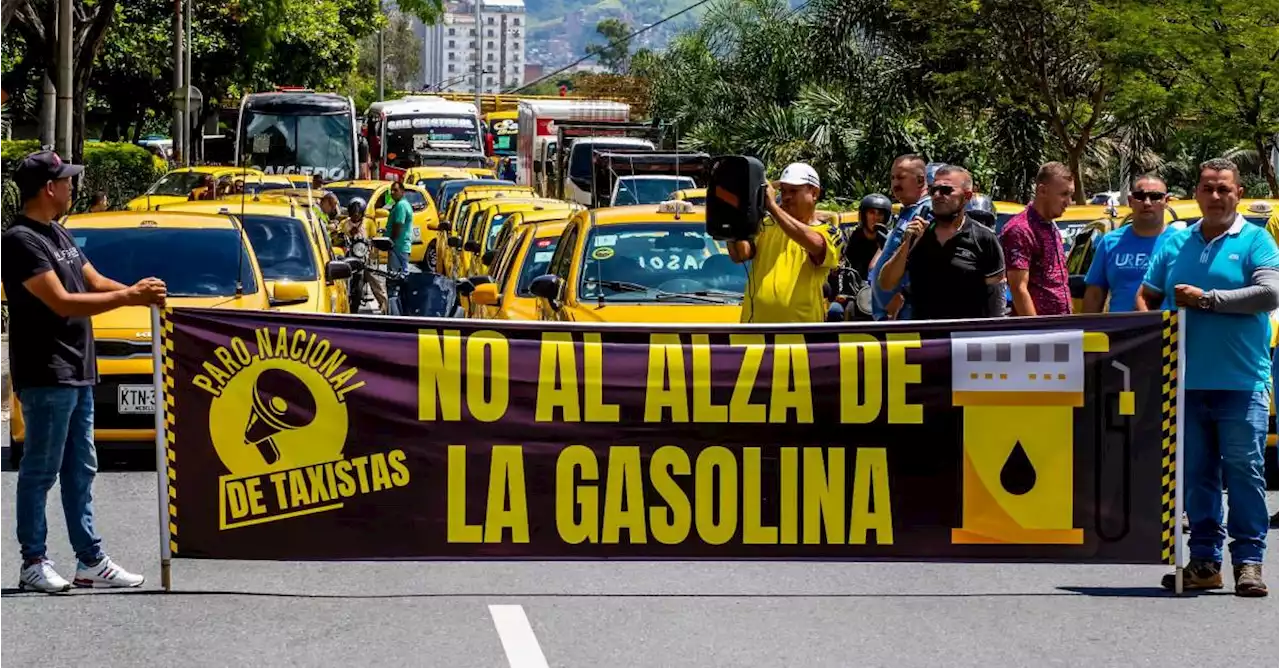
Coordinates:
<point>281,402</point>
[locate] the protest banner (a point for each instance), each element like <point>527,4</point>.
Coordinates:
<point>296,437</point>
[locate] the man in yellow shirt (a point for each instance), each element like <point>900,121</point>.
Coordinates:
<point>792,254</point>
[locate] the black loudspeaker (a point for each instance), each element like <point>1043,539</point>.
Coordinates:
<point>735,197</point>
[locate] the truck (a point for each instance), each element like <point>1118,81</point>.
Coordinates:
<point>623,178</point>
<point>536,142</point>
<point>577,142</point>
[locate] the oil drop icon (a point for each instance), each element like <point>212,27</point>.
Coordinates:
<point>1018,475</point>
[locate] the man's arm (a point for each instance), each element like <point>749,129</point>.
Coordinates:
<point>812,241</point>
<point>1094,298</point>
<point>49,290</point>
<point>1149,299</point>
<point>891,272</point>
<point>99,283</point>
<point>1020,288</point>
<point>1095,294</point>
<point>1016,244</point>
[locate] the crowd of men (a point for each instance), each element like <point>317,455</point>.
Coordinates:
<point>937,261</point>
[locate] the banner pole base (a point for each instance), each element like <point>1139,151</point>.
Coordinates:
<point>1177,581</point>
<point>166,576</point>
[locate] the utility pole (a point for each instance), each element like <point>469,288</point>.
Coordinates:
<point>479,52</point>
<point>502,55</point>
<point>65,93</point>
<point>188,128</point>
<point>178,126</point>
<point>382,63</point>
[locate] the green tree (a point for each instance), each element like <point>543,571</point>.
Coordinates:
<point>614,54</point>
<point>402,52</point>
<point>1221,55</point>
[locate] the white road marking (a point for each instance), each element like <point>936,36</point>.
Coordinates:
<point>517,637</point>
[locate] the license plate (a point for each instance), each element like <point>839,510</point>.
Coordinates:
<point>132,399</point>
<point>417,233</point>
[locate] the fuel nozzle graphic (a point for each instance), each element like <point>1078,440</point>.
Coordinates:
<point>281,402</point>
<point>1018,391</point>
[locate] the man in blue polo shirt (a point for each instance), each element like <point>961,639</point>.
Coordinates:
<point>1223,271</point>
<point>910,186</point>
<point>1120,261</point>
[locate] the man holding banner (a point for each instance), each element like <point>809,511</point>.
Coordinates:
<point>1222,271</point>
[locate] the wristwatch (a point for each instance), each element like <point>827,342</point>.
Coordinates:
<point>1206,301</point>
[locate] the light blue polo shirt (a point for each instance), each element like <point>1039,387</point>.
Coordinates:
<point>1120,263</point>
<point>1224,351</point>
<point>880,298</point>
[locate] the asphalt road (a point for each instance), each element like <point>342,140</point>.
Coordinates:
<point>606,614</point>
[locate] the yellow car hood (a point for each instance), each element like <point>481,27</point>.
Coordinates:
<point>141,203</point>
<point>133,323</point>
<point>664,313</point>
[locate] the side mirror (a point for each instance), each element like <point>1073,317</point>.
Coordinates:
<point>454,242</point>
<point>547,287</point>
<point>465,287</point>
<point>337,270</point>
<point>289,294</point>
<point>445,226</point>
<point>485,295</point>
<point>487,258</point>
<point>382,243</point>
<point>478,281</point>
<point>471,247</point>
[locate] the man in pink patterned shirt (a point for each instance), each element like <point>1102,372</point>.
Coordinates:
<point>1034,260</point>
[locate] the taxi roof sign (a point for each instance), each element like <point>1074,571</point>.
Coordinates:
<point>676,206</point>
<point>1260,206</point>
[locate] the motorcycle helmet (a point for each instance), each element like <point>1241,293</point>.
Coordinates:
<point>355,207</point>
<point>876,202</point>
<point>982,209</point>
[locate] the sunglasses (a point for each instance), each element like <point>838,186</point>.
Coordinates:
<point>1148,195</point>
<point>942,190</point>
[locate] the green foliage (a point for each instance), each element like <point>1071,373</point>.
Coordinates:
<point>613,55</point>
<point>124,171</point>
<point>402,51</point>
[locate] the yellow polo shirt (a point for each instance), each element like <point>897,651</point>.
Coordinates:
<point>784,284</point>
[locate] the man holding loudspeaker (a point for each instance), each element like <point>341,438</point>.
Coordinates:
<point>792,254</point>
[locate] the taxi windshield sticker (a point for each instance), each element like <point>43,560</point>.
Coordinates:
<point>602,253</point>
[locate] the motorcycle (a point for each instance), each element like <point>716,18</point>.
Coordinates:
<point>848,288</point>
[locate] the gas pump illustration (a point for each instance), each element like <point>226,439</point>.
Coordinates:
<point>1019,392</point>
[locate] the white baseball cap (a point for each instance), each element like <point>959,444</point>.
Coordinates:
<point>800,174</point>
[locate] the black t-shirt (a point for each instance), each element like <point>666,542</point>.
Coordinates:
<point>859,250</point>
<point>45,349</point>
<point>950,280</point>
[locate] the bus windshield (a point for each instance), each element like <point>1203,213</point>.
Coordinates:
<point>406,135</point>
<point>504,136</point>
<point>281,136</point>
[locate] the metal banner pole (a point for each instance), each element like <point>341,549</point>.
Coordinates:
<point>1180,545</point>
<point>162,459</point>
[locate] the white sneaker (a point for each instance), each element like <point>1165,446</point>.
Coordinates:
<point>40,576</point>
<point>106,574</point>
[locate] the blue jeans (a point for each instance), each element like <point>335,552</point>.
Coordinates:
<point>1226,433</point>
<point>397,264</point>
<point>59,441</point>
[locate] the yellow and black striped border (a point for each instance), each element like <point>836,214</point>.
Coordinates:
<point>1169,434</point>
<point>166,325</point>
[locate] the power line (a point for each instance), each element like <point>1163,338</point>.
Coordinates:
<point>628,38</point>
<point>612,44</point>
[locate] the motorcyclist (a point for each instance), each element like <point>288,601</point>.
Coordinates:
<point>354,231</point>
<point>862,245</point>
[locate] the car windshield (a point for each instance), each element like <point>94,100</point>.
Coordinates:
<point>657,262</point>
<point>1001,219</point>
<point>255,187</point>
<point>406,135</point>
<point>432,186</point>
<point>649,190</point>
<point>450,189</point>
<point>536,262</point>
<point>283,248</point>
<point>1260,222</point>
<point>345,195</point>
<point>192,262</point>
<point>177,183</point>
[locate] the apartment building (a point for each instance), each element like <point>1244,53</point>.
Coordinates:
<point>450,48</point>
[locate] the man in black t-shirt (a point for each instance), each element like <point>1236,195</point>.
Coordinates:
<point>53,290</point>
<point>956,265</point>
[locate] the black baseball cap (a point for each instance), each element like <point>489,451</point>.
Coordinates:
<point>39,168</point>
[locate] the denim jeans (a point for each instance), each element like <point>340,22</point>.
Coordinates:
<point>1226,433</point>
<point>59,442</point>
<point>397,265</point>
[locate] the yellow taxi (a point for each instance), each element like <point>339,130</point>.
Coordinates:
<point>269,183</point>
<point>526,256</point>
<point>485,224</point>
<point>482,173</point>
<point>430,178</point>
<point>204,260</point>
<point>1005,211</point>
<point>1256,211</point>
<point>694,196</point>
<point>645,263</point>
<point>450,229</point>
<point>1077,218</point>
<point>377,198</point>
<point>294,252</point>
<point>514,223</point>
<point>176,186</point>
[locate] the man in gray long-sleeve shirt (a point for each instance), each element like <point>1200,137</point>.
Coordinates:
<point>1223,271</point>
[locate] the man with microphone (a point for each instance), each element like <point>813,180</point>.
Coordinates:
<point>956,265</point>
<point>791,256</point>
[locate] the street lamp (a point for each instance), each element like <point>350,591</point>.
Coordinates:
<point>459,79</point>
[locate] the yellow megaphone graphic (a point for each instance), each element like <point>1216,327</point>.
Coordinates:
<point>281,402</point>
<point>1018,391</point>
